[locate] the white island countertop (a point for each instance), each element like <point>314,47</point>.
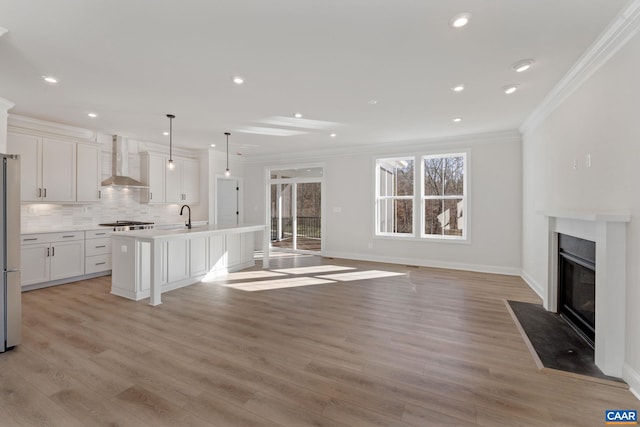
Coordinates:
<point>155,233</point>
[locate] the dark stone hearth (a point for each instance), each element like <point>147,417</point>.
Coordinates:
<point>558,346</point>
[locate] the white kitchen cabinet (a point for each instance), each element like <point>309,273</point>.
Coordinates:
<point>88,187</point>
<point>177,264</point>
<point>50,257</point>
<point>47,168</point>
<point>182,184</point>
<point>67,259</point>
<point>152,173</point>
<point>34,263</point>
<point>179,185</point>
<point>198,256</point>
<point>97,250</point>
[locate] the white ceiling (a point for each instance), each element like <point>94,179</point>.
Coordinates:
<point>134,61</point>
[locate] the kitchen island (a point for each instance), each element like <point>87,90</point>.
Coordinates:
<point>149,262</point>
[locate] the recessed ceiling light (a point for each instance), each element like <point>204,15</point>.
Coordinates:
<point>165,133</point>
<point>50,79</point>
<point>460,20</point>
<point>213,145</point>
<point>297,115</point>
<point>333,135</point>
<point>373,102</point>
<point>457,119</point>
<point>92,115</point>
<point>510,89</point>
<point>458,88</point>
<point>523,65</point>
<point>238,80</point>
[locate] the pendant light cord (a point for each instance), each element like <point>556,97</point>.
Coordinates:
<point>171,117</point>
<point>227,133</point>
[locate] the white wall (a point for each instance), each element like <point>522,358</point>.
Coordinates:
<point>494,195</point>
<point>601,118</point>
<point>5,106</point>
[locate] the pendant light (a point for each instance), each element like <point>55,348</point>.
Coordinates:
<point>170,163</point>
<point>226,172</point>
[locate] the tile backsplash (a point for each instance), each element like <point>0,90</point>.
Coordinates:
<point>116,204</point>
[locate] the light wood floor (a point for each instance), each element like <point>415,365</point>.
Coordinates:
<point>422,347</point>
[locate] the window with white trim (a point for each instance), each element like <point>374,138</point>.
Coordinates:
<point>444,196</point>
<point>395,196</point>
<point>437,192</point>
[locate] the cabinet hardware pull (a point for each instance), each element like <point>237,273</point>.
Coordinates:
<point>99,194</point>
<point>32,238</point>
<point>100,263</point>
<point>100,234</point>
<point>45,193</point>
<point>64,237</point>
<point>39,192</point>
<point>53,251</point>
<point>101,246</point>
<point>48,251</point>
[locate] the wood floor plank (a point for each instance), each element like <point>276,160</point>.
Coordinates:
<point>400,346</point>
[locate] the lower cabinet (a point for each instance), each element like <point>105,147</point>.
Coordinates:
<point>186,259</point>
<point>97,251</point>
<point>51,257</point>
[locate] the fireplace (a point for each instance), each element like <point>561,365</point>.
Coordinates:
<point>608,231</point>
<point>577,284</point>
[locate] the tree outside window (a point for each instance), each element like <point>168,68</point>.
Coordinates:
<point>444,195</point>
<point>395,196</point>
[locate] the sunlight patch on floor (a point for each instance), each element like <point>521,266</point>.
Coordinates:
<point>263,285</point>
<point>313,269</point>
<point>361,275</point>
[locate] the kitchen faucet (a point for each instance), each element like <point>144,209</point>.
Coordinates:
<point>188,224</point>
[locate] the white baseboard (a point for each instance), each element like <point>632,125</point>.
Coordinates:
<point>632,378</point>
<point>426,263</point>
<point>535,286</point>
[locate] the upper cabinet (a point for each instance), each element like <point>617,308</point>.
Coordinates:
<point>88,184</point>
<point>178,185</point>
<point>152,171</point>
<point>47,167</point>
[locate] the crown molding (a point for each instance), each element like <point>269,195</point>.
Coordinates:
<point>625,25</point>
<point>393,147</point>
<point>17,122</point>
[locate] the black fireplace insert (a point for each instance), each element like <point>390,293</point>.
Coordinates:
<point>577,284</point>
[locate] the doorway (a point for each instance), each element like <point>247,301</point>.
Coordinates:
<point>295,211</point>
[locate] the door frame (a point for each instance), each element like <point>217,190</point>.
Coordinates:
<point>323,199</point>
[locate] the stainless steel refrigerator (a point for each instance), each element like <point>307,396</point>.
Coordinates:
<point>10,297</point>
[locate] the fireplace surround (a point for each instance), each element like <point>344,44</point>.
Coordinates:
<point>608,231</point>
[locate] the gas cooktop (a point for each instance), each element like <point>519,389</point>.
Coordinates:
<point>125,223</point>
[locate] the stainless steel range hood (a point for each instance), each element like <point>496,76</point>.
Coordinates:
<point>120,166</point>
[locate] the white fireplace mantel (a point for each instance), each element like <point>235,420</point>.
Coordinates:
<point>608,231</point>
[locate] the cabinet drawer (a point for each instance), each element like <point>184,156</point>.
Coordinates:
<point>98,246</point>
<point>27,239</point>
<point>98,263</point>
<point>97,234</point>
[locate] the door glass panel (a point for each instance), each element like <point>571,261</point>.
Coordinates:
<point>308,203</point>
<point>282,216</point>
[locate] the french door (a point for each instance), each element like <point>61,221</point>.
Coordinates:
<point>296,209</point>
